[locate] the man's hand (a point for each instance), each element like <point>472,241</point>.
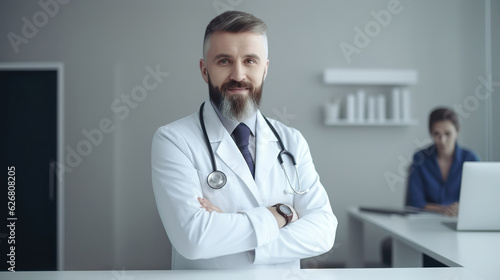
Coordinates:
<point>280,219</point>
<point>207,205</point>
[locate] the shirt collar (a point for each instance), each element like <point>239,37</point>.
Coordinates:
<point>457,153</point>
<point>230,125</point>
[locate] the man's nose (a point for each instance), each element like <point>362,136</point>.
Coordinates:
<point>237,72</point>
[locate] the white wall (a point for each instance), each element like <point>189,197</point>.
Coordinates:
<point>106,46</point>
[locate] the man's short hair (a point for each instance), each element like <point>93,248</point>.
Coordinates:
<point>443,114</point>
<point>235,21</point>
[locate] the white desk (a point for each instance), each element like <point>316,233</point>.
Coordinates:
<point>414,235</point>
<point>311,274</point>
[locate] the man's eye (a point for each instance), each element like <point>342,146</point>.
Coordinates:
<point>223,61</point>
<point>250,61</point>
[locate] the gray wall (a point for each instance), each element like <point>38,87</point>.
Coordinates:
<point>106,46</point>
<point>495,46</point>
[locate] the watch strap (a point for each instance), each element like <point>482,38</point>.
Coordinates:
<point>288,218</point>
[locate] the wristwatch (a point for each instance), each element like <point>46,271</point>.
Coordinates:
<point>285,211</point>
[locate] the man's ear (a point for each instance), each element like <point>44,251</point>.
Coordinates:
<point>265,70</point>
<point>203,70</point>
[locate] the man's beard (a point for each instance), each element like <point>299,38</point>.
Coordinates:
<point>236,106</point>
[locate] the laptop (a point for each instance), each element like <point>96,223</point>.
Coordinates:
<point>479,205</point>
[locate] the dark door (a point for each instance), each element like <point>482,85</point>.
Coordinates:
<point>28,212</point>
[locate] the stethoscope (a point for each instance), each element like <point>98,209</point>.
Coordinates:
<point>217,179</point>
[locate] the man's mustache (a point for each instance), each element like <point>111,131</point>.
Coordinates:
<point>235,84</point>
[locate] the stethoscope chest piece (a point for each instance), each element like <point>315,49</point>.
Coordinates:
<point>216,179</point>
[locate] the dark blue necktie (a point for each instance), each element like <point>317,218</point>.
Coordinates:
<point>241,134</point>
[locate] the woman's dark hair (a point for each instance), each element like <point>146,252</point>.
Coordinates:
<point>443,114</point>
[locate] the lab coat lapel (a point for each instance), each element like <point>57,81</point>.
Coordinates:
<point>227,151</point>
<point>215,129</point>
<point>267,150</point>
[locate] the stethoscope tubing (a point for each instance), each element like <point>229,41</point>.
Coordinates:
<point>205,136</point>
<point>283,151</point>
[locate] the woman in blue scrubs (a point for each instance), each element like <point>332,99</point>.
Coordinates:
<point>435,174</point>
<point>436,171</point>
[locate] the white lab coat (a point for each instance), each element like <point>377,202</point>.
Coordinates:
<point>246,235</point>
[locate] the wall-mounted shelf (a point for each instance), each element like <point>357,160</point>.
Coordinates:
<point>388,77</point>
<point>343,122</point>
<point>364,108</point>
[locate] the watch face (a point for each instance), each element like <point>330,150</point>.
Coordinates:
<point>285,209</point>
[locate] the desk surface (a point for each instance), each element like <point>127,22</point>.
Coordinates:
<point>476,251</point>
<point>316,274</point>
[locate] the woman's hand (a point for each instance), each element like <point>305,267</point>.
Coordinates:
<point>451,210</point>
<point>448,210</point>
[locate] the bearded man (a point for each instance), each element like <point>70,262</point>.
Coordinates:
<point>224,197</point>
